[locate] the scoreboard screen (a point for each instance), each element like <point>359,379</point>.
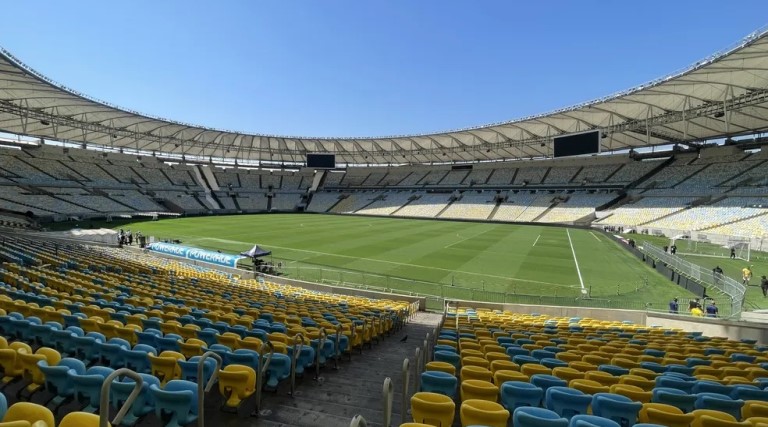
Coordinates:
<point>577,144</point>
<point>321,161</point>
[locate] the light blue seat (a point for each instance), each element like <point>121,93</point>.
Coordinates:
<point>169,342</point>
<point>614,370</point>
<point>178,399</point>
<point>680,369</point>
<point>62,340</point>
<point>3,406</point>
<point>41,334</point>
<point>653,366</point>
<point>439,382</point>
<point>208,335</point>
<point>528,416</point>
<point>591,421</point>
<point>144,402</point>
<point>243,356</point>
<point>151,323</point>
<point>343,343</point>
<point>306,357</point>
<point>674,397</point>
<point>444,347</point>
<point>719,402</point>
<point>566,401</point>
<point>545,381</point>
<point>515,394</point>
<point>87,387</point>
<point>680,376</point>
<point>616,407</point>
<point>326,352</point>
<point>668,381</point>
<point>705,386</point>
<point>449,357</point>
<point>137,359</point>
<point>542,354</point>
<point>279,369</point>
<point>190,367</point>
<point>57,380</point>
<point>110,352</point>
<point>222,350</point>
<point>692,362</point>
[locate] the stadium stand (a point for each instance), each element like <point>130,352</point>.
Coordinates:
<point>427,205</point>
<point>645,210</point>
<point>471,206</point>
<point>387,203</point>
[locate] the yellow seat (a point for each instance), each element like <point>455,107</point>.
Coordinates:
<point>632,392</point>
<point>531,369</point>
<point>582,366</point>
<point>475,373</point>
<point>502,376</point>
<point>645,384</point>
<point>710,418</point>
<point>505,365</point>
<point>31,413</point>
<point>475,361</point>
<point>250,343</point>
<point>494,356</point>
<point>568,357</point>
<point>236,383</point>
<point>229,339</point>
<point>567,374</point>
<point>589,386</point>
<point>433,409</point>
<point>32,371</point>
<point>603,378</point>
<point>757,421</point>
<point>415,425</point>
<point>754,408</point>
<point>645,373</point>
<point>475,412</point>
<point>666,415</point>
<point>478,389</point>
<point>192,348</point>
<point>80,419</point>
<point>11,362</point>
<point>440,366</point>
<point>165,366</point>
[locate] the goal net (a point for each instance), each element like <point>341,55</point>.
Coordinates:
<point>737,246</point>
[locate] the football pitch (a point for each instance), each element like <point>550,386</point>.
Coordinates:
<point>465,260</point>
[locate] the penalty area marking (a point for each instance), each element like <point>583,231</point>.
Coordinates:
<point>537,239</point>
<point>593,235</point>
<point>578,271</point>
<point>464,240</point>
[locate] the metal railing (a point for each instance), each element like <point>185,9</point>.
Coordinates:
<point>200,378</point>
<point>699,274</point>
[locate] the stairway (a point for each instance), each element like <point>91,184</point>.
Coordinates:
<point>208,182</point>
<point>495,209</point>
<point>404,205</point>
<point>546,211</point>
<point>452,201</point>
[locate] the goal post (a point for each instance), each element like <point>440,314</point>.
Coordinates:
<point>741,247</point>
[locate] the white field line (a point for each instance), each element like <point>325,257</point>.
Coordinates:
<point>391,262</point>
<point>470,237</point>
<point>535,241</point>
<point>578,271</point>
<point>593,235</point>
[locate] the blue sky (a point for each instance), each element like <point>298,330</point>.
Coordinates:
<point>356,68</point>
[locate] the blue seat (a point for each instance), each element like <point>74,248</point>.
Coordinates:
<point>741,357</point>
<point>528,416</point>
<point>591,421</point>
<point>57,380</point>
<point>444,347</point>
<point>710,351</point>
<point>704,386</point>
<point>306,357</point>
<point>343,343</point>
<point>517,351</point>
<point>748,392</point>
<point>654,352</point>
<point>719,402</point>
<point>449,357</point>
<point>148,337</point>
<point>692,362</point>
<point>151,323</point>
<point>515,394</point>
<point>680,376</point>
<point>542,354</point>
<point>208,335</point>
<point>439,382</point>
<point>674,397</point>
<point>41,334</point>
<point>668,381</point>
<point>62,340</point>
<point>614,370</point>
<point>3,406</point>
<point>137,359</point>
<point>567,402</point>
<point>553,363</point>
<point>144,402</point>
<point>243,356</point>
<point>522,359</point>
<point>653,366</point>
<point>178,399</point>
<point>545,381</point>
<point>86,347</point>
<point>504,340</point>
<point>87,387</point>
<point>190,367</point>
<point>680,369</point>
<point>110,352</point>
<point>168,343</point>
<point>326,352</point>
<point>279,369</point>
<point>616,407</point>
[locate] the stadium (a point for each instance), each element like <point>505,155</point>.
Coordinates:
<point>599,264</point>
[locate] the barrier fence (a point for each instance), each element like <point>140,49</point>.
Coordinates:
<point>699,274</point>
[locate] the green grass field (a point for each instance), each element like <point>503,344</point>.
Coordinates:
<point>480,261</point>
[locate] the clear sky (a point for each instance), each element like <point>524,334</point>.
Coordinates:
<point>364,68</point>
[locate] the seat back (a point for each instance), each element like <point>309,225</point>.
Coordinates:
<point>30,412</point>
<point>237,382</point>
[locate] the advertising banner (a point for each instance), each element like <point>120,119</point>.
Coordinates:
<point>195,254</point>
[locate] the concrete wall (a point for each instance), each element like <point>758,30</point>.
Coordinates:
<point>635,316</point>
<point>712,327</point>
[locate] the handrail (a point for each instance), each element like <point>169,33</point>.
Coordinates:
<point>298,343</point>
<point>337,351</point>
<point>417,368</point>
<point>425,350</point>
<point>260,372</point>
<point>358,421</point>
<point>320,344</point>
<point>104,396</point>
<point>362,341</point>
<point>353,332</point>
<point>388,396</point>
<point>406,381</point>
<point>208,386</point>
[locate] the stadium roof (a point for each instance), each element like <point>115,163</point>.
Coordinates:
<point>723,95</point>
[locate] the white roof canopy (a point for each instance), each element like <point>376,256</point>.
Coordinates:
<point>726,94</point>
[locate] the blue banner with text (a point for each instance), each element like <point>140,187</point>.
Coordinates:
<point>195,254</point>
